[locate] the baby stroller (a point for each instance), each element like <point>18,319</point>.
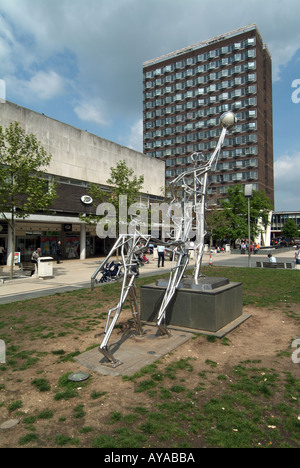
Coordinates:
<point>111,272</point>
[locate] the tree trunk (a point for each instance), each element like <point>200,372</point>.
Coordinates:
<point>13,229</point>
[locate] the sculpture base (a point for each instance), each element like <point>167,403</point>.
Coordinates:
<point>204,283</point>
<point>209,306</point>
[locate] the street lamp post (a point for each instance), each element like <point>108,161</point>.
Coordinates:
<point>248,194</point>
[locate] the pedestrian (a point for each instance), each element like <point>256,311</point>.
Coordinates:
<point>34,259</point>
<point>297,256</point>
<point>1,254</point>
<point>58,252</point>
<point>272,259</point>
<point>243,248</point>
<point>161,255</point>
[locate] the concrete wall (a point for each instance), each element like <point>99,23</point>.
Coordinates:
<point>78,154</point>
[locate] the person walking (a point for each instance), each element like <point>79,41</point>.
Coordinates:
<point>161,255</point>
<point>58,252</point>
<point>297,256</point>
<point>1,254</point>
<point>34,259</point>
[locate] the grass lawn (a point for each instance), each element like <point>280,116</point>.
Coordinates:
<point>208,393</point>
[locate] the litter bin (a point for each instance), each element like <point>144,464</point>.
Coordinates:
<point>45,267</point>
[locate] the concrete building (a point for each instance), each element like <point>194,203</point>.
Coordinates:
<point>186,91</point>
<point>279,219</point>
<point>78,159</point>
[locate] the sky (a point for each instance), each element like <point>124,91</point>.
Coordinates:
<point>80,62</point>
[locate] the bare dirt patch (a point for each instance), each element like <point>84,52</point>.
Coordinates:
<point>42,351</point>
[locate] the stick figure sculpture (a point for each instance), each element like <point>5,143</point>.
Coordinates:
<point>194,182</point>
<point>129,246</point>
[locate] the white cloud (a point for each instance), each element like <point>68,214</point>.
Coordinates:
<point>42,86</point>
<point>45,85</point>
<point>111,40</point>
<point>286,181</point>
<point>106,44</point>
<point>92,111</point>
<point>135,138</point>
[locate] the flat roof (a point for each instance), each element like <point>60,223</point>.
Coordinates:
<point>205,43</point>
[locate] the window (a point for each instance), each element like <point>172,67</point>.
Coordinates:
<point>225,50</point>
<point>250,42</point>
<point>237,69</point>
<point>168,68</point>
<point>251,65</point>
<point>224,96</point>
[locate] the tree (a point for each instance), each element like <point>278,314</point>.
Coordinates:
<point>235,210</point>
<point>290,229</point>
<point>217,223</point>
<point>23,190</point>
<point>124,182</point>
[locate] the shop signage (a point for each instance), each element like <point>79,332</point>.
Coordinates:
<point>17,257</point>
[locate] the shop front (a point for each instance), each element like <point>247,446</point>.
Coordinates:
<point>78,240</point>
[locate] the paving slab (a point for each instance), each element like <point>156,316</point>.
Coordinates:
<point>133,352</point>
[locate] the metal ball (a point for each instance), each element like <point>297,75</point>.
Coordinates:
<point>228,120</point>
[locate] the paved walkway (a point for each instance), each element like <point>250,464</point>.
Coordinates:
<point>67,276</point>
<point>74,274</point>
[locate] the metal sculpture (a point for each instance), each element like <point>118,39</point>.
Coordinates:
<point>194,182</point>
<point>129,247</point>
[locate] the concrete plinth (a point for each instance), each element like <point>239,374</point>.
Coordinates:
<point>209,306</point>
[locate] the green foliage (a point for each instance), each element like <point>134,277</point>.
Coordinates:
<point>41,384</point>
<point>123,181</point>
<point>23,190</point>
<point>22,163</point>
<point>232,221</point>
<point>290,229</point>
